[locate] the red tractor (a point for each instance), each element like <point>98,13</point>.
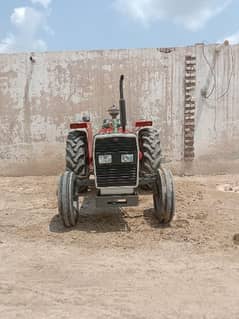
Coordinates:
<point>121,161</point>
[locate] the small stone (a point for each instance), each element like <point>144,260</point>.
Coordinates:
<point>227,188</point>
<point>236,239</point>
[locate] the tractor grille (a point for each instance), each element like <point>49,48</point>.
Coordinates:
<point>117,173</point>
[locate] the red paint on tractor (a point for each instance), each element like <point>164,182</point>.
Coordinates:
<point>143,123</point>
<point>140,155</point>
<point>90,144</point>
<point>110,130</point>
<point>75,126</point>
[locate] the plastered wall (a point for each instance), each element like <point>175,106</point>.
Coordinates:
<point>41,93</point>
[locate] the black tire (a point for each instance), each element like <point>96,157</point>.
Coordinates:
<point>68,202</point>
<point>149,142</point>
<point>76,155</point>
<point>164,196</point>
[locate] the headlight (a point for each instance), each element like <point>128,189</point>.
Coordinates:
<point>105,159</point>
<point>127,158</point>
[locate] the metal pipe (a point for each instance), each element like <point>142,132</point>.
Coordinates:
<point>122,104</point>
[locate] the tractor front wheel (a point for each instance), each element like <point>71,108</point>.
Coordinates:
<point>163,196</point>
<point>68,202</point>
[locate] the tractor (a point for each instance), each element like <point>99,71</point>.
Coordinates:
<point>117,163</point>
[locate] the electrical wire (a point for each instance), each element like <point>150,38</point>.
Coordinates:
<point>212,69</point>
<point>230,78</point>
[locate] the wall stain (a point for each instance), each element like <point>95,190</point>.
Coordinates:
<point>27,102</point>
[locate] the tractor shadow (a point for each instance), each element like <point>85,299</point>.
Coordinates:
<point>152,221</point>
<point>149,215</point>
<point>92,219</point>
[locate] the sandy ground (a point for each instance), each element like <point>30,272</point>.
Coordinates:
<point>119,264</point>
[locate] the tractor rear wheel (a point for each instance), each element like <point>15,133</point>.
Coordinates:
<point>76,155</point>
<point>163,196</point>
<point>68,202</point>
<point>150,146</point>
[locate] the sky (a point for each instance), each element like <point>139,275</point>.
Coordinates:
<point>69,25</point>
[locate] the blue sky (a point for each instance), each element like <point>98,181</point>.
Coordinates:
<point>56,25</point>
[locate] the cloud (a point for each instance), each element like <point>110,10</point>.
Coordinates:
<point>44,3</point>
<point>27,24</point>
<point>193,15</point>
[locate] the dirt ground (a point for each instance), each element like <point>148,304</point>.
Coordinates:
<point>120,264</point>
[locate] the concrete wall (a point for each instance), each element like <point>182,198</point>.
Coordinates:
<point>39,99</point>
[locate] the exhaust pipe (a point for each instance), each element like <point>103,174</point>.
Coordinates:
<point>122,105</point>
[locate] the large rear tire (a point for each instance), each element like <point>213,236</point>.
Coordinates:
<point>76,155</point>
<point>164,196</point>
<point>149,141</point>
<point>68,202</point>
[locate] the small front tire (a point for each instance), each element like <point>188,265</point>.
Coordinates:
<point>68,202</point>
<point>164,196</point>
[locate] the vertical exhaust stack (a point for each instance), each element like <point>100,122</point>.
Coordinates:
<point>122,105</point>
